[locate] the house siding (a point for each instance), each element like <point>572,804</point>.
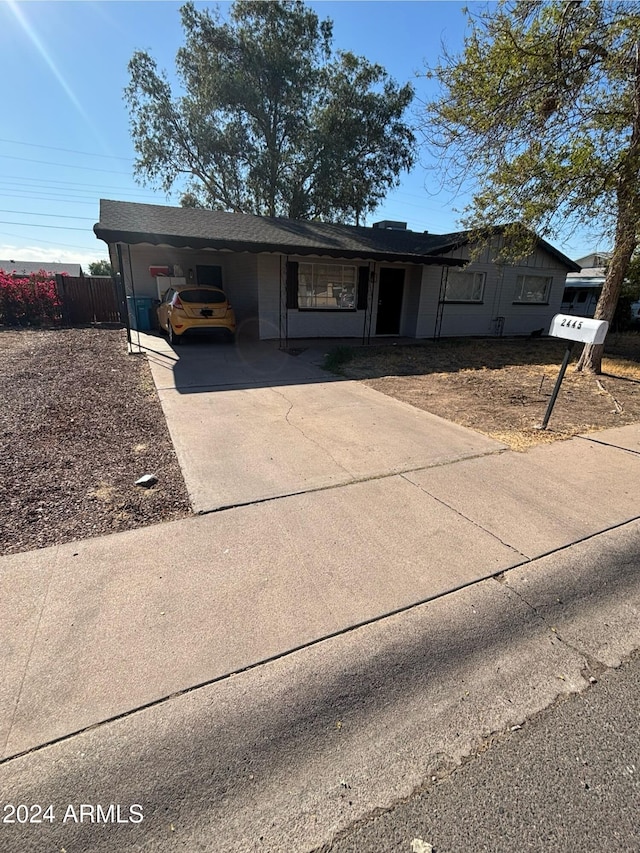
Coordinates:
<point>499,313</point>
<point>253,284</point>
<point>428,306</point>
<point>411,302</point>
<point>269,295</point>
<point>240,282</point>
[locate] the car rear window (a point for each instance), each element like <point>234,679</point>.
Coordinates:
<point>198,295</point>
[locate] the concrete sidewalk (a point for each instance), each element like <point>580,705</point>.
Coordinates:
<point>91,630</point>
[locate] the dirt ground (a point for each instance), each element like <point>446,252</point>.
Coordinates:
<point>501,387</point>
<point>80,422</point>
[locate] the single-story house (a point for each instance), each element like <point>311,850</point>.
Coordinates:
<point>296,279</point>
<point>25,268</point>
<point>582,289</point>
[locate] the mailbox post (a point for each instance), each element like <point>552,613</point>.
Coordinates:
<point>572,329</point>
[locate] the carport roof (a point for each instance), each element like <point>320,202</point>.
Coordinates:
<point>194,228</point>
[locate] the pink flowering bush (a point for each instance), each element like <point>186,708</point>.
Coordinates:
<point>28,300</point>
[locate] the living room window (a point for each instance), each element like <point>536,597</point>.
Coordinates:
<point>327,287</point>
<point>464,286</point>
<point>533,289</point>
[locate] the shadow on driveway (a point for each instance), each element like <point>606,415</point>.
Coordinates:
<point>209,364</point>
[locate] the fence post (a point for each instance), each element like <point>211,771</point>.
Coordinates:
<point>61,293</point>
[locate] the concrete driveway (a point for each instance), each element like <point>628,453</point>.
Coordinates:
<point>251,423</point>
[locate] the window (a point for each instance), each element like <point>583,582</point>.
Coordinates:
<point>327,287</point>
<point>208,297</point>
<point>533,288</point>
<point>464,286</point>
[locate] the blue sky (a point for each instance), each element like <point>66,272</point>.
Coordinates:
<point>65,143</point>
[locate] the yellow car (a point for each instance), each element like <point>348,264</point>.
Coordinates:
<point>195,309</point>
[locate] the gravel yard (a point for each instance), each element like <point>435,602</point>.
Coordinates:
<point>80,422</point>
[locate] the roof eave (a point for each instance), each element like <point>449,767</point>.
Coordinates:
<point>465,237</point>
<point>182,242</point>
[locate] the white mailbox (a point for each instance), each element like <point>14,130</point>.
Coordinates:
<point>582,329</point>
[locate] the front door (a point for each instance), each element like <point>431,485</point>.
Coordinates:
<point>390,291</point>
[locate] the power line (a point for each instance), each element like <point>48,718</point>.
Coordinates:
<point>35,225</point>
<point>50,242</point>
<point>52,215</point>
<point>49,197</point>
<point>26,195</point>
<point>67,150</point>
<point>49,200</point>
<point>11,179</point>
<point>63,165</point>
<point>47,192</point>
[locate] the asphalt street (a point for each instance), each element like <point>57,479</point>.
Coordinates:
<point>566,781</point>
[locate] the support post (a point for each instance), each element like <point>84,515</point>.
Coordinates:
<point>556,388</point>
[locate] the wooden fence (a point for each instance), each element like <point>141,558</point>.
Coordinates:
<point>88,300</point>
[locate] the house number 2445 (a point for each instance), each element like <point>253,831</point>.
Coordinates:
<point>576,324</point>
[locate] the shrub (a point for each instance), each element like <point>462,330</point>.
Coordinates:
<point>335,360</point>
<point>28,300</point>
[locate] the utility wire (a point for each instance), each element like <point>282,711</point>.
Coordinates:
<point>64,181</point>
<point>35,225</point>
<point>52,215</point>
<point>90,197</point>
<point>19,179</point>
<point>67,150</point>
<point>51,242</point>
<point>63,165</point>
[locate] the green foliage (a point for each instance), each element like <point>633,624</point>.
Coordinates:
<point>268,120</point>
<point>631,286</point>
<point>100,268</point>
<point>541,112</point>
<point>335,360</point>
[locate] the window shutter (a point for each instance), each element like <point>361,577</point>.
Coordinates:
<point>292,284</point>
<point>363,288</point>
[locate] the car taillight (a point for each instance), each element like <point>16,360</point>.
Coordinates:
<point>177,303</point>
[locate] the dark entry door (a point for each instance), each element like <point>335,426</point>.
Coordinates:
<point>209,275</point>
<point>390,291</point>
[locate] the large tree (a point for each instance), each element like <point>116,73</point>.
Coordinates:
<point>268,120</point>
<point>100,267</point>
<point>542,111</point>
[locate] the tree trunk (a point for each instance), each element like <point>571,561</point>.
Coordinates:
<point>626,239</point>
<point>624,247</point>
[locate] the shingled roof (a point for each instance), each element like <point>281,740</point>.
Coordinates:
<point>30,267</point>
<point>194,228</point>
